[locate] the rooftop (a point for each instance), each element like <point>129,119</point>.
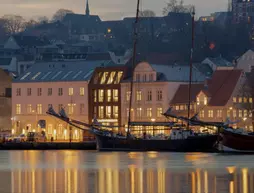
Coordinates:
<point>221,62</point>
<point>5,61</point>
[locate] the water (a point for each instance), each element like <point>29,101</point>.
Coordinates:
<point>151,172</point>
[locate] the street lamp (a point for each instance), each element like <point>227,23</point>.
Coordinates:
<point>153,120</point>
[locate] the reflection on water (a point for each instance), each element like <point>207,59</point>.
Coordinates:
<point>151,172</point>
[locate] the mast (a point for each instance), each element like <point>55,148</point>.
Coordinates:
<point>191,61</point>
<point>133,63</point>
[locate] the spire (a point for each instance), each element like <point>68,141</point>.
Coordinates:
<point>87,8</point>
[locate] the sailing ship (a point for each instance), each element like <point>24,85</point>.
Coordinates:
<point>180,139</point>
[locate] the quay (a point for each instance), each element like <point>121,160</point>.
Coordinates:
<point>91,145</point>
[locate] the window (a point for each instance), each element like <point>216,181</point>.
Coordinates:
<point>234,99</point>
<point>82,108</point>
<point>138,95</point>
<point>29,92</point>
<point>101,95</point>
<point>128,95</point>
<point>177,107</point>
<point>219,113</point>
<point>60,91</point>
<point>159,112</point>
<point>111,77</point>
<point>205,100</point>
<point>108,112</point>
<point>115,95</point>
<point>245,99</point>
<point>234,113</point>
<point>240,99</point>
<point>118,77</point>
<point>18,109</point>
<point>150,77</point>
<point>50,91</point>
<point>29,109</point>
<point>149,112</point>
<point>18,92</point>
<point>138,77</point>
<point>39,91</point>
<point>104,77</point>
<point>245,113</point>
<point>50,129</point>
<point>240,113</point>
<point>182,107</point>
<point>109,95</point>
<point>202,114</point>
<point>101,112</point>
<point>39,109</point>
<point>70,91</point>
<point>159,95</point>
<point>198,101</point>
<point>250,113</point>
<point>81,91</point>
<point>71,108</point>
<point>139,112</point>
<point>144,78</point>
<point>210,113</point>
<point>115,112</point>
<point>250,100</point>
<point>149,95</point>
<point>228,113</point>
<point>95,96</point>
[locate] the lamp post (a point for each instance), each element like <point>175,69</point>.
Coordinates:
<point>153,120</point>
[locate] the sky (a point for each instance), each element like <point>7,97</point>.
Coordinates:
<point>106,9</point>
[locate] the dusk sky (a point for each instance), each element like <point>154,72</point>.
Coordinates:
<point>106,9</point>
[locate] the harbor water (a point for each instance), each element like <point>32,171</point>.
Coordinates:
<point>69,171</point>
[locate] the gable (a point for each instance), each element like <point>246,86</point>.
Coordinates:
<point>11,44</point>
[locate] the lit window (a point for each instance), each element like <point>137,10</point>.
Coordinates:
<point>149,96</point>
<point>118,77</point>
<point>159,95</point>
<point>182,107</point>
<point>104,77</point>
<point>149,112</point>
<point>70,91</point>
<point>29,92</point>
<point>245,113</point>
<point>219,113</point>
<point>240,113</point>
<point>177,108</point>
<point>111,77</point>
<point>210,113</point>
<point>109,95</point>
<point>29,109</point>
<point>60,91</point>
<point>95,96</point>
<point>39,91</point>
<point>139,95</point>
<point>128,95</point>
<point>71,108</point>
<point>101,95</point>
<point>159,112</point>
<point>240,99</point>
<point>250,113</point>
<point>202,114</point>
<point>198,101</point>
<point>250,100</point>
<point>50,129</point>
<point>81,91</point>
<point>18,92</point>
<point>82,109</point>
<point>39,109</point>
<point>109,30</point>
<point>18,109</point>
<point>101,111</point>
<point>139,112</point>
<point>234,113</point>
<point>234,99</point>
<point>115,95</point>
<point>245,99</point>
<point>228,113</point>
<point>205,100</point>
<point>115,112</point>
<point>108,112</point>
<point>50,91</point>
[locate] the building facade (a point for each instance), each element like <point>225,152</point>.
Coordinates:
<point>243,11</point>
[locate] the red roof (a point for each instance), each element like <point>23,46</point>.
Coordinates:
<point>222,85</point>
<point>182,96</point>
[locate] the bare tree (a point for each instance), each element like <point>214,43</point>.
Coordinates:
<point>147,13</point>
<point>60,14</point>
<point>13,23</point>
<point>43,19</point>
<point>176,6</point>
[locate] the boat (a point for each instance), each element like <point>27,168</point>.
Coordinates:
<point>235,141</point>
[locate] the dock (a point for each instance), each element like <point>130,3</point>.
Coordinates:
<point>91,145</point>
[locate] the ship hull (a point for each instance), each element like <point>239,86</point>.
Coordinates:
<point>191,144</point>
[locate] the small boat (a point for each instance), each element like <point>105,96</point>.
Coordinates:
<point>235,141</point>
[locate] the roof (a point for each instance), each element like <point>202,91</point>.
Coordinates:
<point>182,97</point>
<point>5,61</point>
<point>23,40</point>
<point>222,86</point>
<point>178,73</point>
<point>163,58</point>
<point>60,71</point>
<point>221,62</point>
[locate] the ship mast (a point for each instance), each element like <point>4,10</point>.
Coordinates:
<point>133,63</point>
<point>191,61</point>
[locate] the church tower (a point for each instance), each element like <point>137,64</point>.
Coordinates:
<point>87,8</point>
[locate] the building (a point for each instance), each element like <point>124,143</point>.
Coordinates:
<point>9,64</point>
<point>243,11</point>
<point>58,84</point>
<point>218,63</point>
<point>217,99</point>
<point>154,87</point>
<point>246,61</point>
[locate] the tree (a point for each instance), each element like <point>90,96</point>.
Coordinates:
<point>147,13</point>
<point>176,6</point>
<point>13,23</point>
<point>60,14</point>
<point>43,19</point>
